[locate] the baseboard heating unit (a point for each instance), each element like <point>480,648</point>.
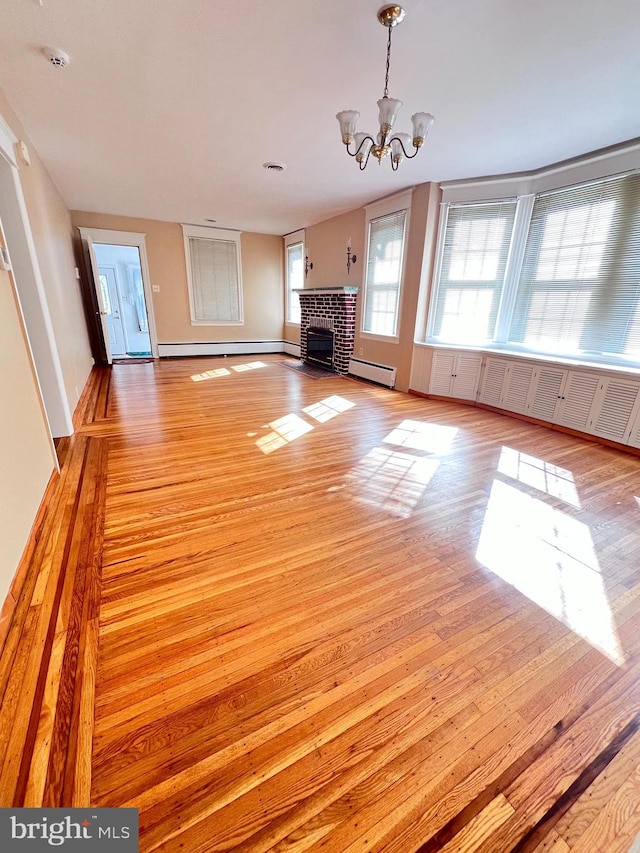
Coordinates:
<point>380,373</point>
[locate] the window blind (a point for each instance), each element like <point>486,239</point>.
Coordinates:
<point>295,279</point>
<point>214,279</point>
<point>384,273</point>
<point>579,288</point>
<point>474,257</point>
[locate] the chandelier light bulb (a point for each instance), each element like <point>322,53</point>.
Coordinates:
<point>385,141</point>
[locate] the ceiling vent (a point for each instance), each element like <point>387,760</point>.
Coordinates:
<point>56,56</point>
<point>274,167</point>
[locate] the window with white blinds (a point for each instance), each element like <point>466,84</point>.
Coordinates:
<point>472,270</point>
<point>213,268</point>
<point>579,287</point>
<point>294,272</point>
<point>385,256</point>
<point>556,274</point>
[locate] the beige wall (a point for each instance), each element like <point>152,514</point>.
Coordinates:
<point>26,457</point>
<point>262,281</point>
<point>326,246</point>
<point>52,235</point>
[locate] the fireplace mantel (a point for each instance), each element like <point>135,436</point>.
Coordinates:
<point>324,291</point>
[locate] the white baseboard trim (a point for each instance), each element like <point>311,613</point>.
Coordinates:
<point>292,349</point>
<point>220,348</point>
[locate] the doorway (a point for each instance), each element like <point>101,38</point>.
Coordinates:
<point>119,272</point>
<point>123,299</point>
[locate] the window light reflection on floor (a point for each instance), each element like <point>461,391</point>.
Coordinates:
<point>550,558</point>
<point>222,371</point>
<point>328,408</point>
<point>539,474</point>
<point>420,435</point>
<point>211,374</point>
<point>283,431</point>
<point>251,365</point>
<point>292,426</point>
<point>391,480</point>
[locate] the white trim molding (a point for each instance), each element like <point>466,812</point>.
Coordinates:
<point>8,141</point>
<point>291,240</point>
<point>590,167</point>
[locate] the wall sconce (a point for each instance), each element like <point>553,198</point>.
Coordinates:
<point>351,259</point>
<point>307,265</point>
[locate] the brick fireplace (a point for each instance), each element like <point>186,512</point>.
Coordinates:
<point>334,309</point>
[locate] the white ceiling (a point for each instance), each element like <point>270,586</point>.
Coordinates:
<point>170,107</point>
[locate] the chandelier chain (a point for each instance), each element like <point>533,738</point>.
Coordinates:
<point>386,77</point>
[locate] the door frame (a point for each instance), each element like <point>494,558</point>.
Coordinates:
<point>123,238</point>
<point>34,307</point>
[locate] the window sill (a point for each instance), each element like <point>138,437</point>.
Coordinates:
<point>562,361</point>
<point>387,339</point>
<point>217,322</point>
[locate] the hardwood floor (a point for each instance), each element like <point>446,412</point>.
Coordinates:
<point>316,615</point>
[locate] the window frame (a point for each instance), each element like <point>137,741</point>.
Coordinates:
<point>223,235</point>
<point>377,210</point>
<point>292,240</point>
<point>591,171</point>
<point>438,269</point>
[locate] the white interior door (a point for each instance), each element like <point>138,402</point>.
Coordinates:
<point>101,292</point>
<point>111,300</point>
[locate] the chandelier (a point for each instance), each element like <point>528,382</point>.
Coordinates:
<point>385,142</point>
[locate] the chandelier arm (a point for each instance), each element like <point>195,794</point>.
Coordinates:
<point>363,163</point>
<point>362,142</point>
<point>404,150</point>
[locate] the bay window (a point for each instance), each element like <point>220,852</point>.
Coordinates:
<point>574,288</point>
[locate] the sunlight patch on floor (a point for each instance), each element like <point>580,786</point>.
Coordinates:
<point>391,480</point>
<point>292,426</point>
<point>250,365</point>
<point>419,435</point>
<point>541,475</point>
<point>223,371</point>
<point>283,431</point>
<point>550,558</point>
<point>211,374</point>
<point>328,408</point>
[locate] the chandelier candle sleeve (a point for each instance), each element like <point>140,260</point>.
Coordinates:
<point>384,141</point>
<point>363,143</point>
<point>400,143</point>
<point>348,120</point>
<point>388,113</point>
<point>421,124</point>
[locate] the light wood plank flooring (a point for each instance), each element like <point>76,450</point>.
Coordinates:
<point>284,614</point>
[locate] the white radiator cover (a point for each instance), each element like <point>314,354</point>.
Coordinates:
<point>380,373</point>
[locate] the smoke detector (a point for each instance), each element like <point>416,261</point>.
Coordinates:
<point>56,56</point>
<point>274,167</point>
